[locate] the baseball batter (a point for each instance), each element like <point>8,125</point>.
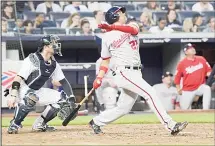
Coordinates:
<point>194,70</point>
<point>27,88</point>
<point>122,46</point>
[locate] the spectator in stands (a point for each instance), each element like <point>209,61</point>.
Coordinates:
<point>171,6</point>
<point>210,26</point>
<point>19,24</point>
<point>4,28</point>
<point>63,4</point>
<point>85,27</point>
<point>161,28</point>
<point>72,21</point>
<point>28,25</point>
<point>8,11</point>
<point>75,7</point>
<point>167,93</point>
<point>48,6</point>
<point>95,6</point>
<point>197,22</point>
<point>172,19</point>
<point>40,22</point>
<point>152,6</point>
<point>99,18</point>
<point>146,21</point>
<point>187,25</point>
<point>203,5</point>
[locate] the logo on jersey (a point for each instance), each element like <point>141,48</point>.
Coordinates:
<point>191,69</point>
<point>119,42</point>
<point>7,78</point>
<point>47,71</point>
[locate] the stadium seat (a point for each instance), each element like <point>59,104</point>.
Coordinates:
<point>201,28</point>
<point>11,23</point>
<point>54,30</point>
<point>189,5</point>
<point>157,14</point>
<point>185,14</point>
<point>97,30</point>
<point>135,14</point>
<point>129,7</point>
<point>49,23</point>
<point>177,29</point>
<point>58,23</point>
<point>31,15</point>
<point>165,5</point>
<point>58,15</point>
<point>36,31</point>
<point>73,31</point>
<point>140,7</point>
<point>117,3</point>
<point>208,15</point>
<point>86,14</point>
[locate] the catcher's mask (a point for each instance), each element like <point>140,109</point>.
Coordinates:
<point>51,40</point>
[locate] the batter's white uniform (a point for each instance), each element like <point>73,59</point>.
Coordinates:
<point>123,49</point>
<point>107,93</point>
<point>46,95</point>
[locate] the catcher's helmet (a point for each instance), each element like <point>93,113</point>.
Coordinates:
<point>51,40</point>
<point>111,15</point>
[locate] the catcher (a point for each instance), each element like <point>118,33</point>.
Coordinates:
<point>27,89</point>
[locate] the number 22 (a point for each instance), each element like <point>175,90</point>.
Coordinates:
<point>133,44</point>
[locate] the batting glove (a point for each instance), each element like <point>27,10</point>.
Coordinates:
<point>97,82</point>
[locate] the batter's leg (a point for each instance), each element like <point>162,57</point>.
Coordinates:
<point>205,90</point>
<point>142,88</point>
<point>109,96</point>
<point>186,99</point>
<point>99,95</point>
<point>124,105</point>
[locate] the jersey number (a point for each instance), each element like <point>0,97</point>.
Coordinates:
<point>133,44</point>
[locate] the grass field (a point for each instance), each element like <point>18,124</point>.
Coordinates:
<point>128,119</point>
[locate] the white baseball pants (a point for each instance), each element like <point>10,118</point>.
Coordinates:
<point>132,85</point>
<point>188,96</point>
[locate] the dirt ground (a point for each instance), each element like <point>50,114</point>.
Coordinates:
<point>136,134</point>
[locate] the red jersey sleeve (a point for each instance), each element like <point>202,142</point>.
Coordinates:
<point>178,74</point>
<point>206,64</point>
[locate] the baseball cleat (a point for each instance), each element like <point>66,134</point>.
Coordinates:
<point>13,128</point>
<point>178,127</point>
<point>95,127</point>
<point>42,127</point>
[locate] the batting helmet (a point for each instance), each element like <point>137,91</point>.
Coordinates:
<point>111,15</point>
<point>51,40</point>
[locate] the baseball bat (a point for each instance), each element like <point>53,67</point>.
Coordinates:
<point>72,115</point>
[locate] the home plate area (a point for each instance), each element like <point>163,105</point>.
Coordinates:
<point>114,134</point>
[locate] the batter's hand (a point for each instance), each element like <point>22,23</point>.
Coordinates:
<point>180,91</point>
<point>97,82</point>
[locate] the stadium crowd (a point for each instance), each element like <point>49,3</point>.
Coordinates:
<point>75,18</point>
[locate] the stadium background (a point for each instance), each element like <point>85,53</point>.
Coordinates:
<point>159,52</point>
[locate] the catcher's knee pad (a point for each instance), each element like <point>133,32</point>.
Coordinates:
<point>30,98</point>
<point>49,113</point>
<point>110,96</point>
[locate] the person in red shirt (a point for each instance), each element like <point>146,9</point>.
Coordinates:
<point>193,69</point>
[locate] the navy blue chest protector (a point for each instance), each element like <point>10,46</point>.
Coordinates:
<point>38,78</point>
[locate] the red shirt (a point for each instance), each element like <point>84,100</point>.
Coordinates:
<point>193,72</point>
